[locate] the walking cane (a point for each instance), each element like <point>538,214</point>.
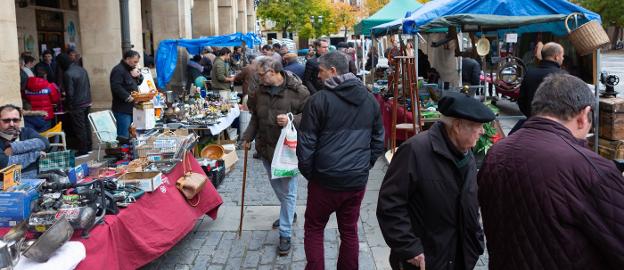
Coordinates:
<point>240,225</point>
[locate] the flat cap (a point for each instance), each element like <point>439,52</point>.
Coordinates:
<point>462,106</point>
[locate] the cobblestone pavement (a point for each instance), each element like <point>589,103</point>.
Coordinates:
<point>213,244</point>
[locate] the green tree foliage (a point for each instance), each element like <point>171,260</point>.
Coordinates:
<point>294,16</point>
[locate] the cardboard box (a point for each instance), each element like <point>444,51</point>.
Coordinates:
<point>16,206</point>
<point>147,181</point>
<point>230,158</point>
<point>143,119</point>
<point>10,176</point>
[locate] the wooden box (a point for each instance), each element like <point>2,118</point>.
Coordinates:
<point>611,118</point>
<point>610,149</point>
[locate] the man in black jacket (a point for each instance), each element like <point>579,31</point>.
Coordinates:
<point>310,75</point>
<point>77,102</point>
<point>552,58</point>
<point>124,79</point>
<point>340,138</point>
<point>427,206</point>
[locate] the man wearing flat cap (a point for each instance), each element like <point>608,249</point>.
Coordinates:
<point>427,209</point>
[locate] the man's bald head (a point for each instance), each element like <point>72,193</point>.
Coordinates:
<point>553,52</point>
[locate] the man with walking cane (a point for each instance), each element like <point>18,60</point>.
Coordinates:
<point>280,92</point>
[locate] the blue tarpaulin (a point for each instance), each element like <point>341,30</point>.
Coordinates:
<point>523,16</point>
<point>167,54</point>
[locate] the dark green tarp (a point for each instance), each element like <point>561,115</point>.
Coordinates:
<point>395,9</point>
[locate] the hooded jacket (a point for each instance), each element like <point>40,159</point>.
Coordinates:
<point>75,82</point>
<point>42,95</point>
<point>341,135</point>
<point>290,97</point>
<point>548,202</point>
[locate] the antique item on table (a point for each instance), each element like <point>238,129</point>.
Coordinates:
<point>213,151</point>
<point>16,233</point>
<point>10,176</point>
<point>587,37</point>
<point>611,118</point>
<point>9,253</point>
<point>191,183</point>
<point>143,97</point>
<point>138,165</point>
<point>609,81</point>
<point>52,239</point>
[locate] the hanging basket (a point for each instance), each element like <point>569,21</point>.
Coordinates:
<point>587,37</point>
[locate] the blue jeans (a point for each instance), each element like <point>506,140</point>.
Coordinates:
<point>123,124</point>
<point>286,191</point>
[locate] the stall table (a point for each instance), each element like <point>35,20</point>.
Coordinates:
<point>148,228</point>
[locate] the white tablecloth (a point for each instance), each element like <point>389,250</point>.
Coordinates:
<point>68,256</point>
<point>225,122</point>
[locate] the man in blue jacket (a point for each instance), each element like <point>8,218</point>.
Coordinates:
<point>19,146</point>
<point>340,138</point>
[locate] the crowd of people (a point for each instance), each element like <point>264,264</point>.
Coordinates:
<point>547,201</point>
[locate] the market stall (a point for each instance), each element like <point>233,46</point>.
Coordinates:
<point>492,20</point>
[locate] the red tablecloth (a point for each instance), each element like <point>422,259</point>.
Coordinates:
<point>148,228</point>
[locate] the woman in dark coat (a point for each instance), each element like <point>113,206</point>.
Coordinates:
<point>427,209</point>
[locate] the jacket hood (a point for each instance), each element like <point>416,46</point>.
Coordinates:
<point>348,88</point>
<point>36,84</point>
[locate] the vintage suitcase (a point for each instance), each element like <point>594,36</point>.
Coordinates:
<point>612,118</point>
<point>610,149</point>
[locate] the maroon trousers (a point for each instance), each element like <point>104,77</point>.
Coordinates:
<point>322,202</point>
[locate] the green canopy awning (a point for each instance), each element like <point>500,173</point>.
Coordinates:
<point>396,9</point>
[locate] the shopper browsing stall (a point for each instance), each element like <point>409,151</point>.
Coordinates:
<point>280,92</point>
<point>77,102</point>
<point>220,75</point>
<point>542,188</point>
<point>21,146</point>
<point>125,78</point>
<point>427,209</point>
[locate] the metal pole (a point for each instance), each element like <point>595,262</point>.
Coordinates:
<point>597,94</point>
<point>460,41</point>
<point>417,96</point>
<point>125,25</point>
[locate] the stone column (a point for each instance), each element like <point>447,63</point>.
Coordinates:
<point>205,18</point>
<point>228,13</point>
<point>9,56</point>
<point>100,31</point>
<point>241,22</point>
<point>171,19</point>
<point>251,16</point>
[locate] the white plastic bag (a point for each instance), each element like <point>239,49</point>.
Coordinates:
<point>284,163</point>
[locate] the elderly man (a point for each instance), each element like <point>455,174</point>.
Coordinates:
<point>310,75</point>
<point>280,93</point>
<point>548,202</point>
<point>19,146</point>
<point>427,208</point>
<point>337,172</point>
<point>291,64</point>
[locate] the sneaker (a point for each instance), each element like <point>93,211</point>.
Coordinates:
<point>276,223</point>
<point>284,246</point>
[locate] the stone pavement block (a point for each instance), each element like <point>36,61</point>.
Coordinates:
<point>268,254</point>
<point>272,238</point>
<point>256,244</point>
<point>330,235</point>
<point>199,267</point>
<point>287,259</point>
<point>187,257</point>
<point>238,249</point>
<point>331,250</point>
<point>215,267</point>
<point>234,264</point>
<point>330,263</point>
<point>207,250</point>
<point>298,253</point>
<point>365,258</point>
<point>380,256</point>
<point>182,267</point>
<point>213,238</point>
<point>252,259</point>
<point>166,266</point>
<point>221,255</point>
<point>202,260</point>
<point>298,265</point>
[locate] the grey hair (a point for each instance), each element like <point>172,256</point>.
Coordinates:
<point>551,49</point>
<point>267,63</point>
<point>335,59</point>
<point>562,96</point>
<point>447,120</point>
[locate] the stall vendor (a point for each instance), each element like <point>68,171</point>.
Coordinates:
<point>427,209</point>
<point>21,146</point>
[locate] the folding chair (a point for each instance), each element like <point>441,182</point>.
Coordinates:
<point>104,126</point>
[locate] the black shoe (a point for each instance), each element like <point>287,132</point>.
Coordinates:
<point>276,223</point>
<point>284,246</point>
<point>256,156</point>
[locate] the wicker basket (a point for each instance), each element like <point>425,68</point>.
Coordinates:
<point>143,97</point>
<point>587,37</point>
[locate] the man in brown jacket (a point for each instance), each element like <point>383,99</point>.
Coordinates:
<point>279,93</point>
